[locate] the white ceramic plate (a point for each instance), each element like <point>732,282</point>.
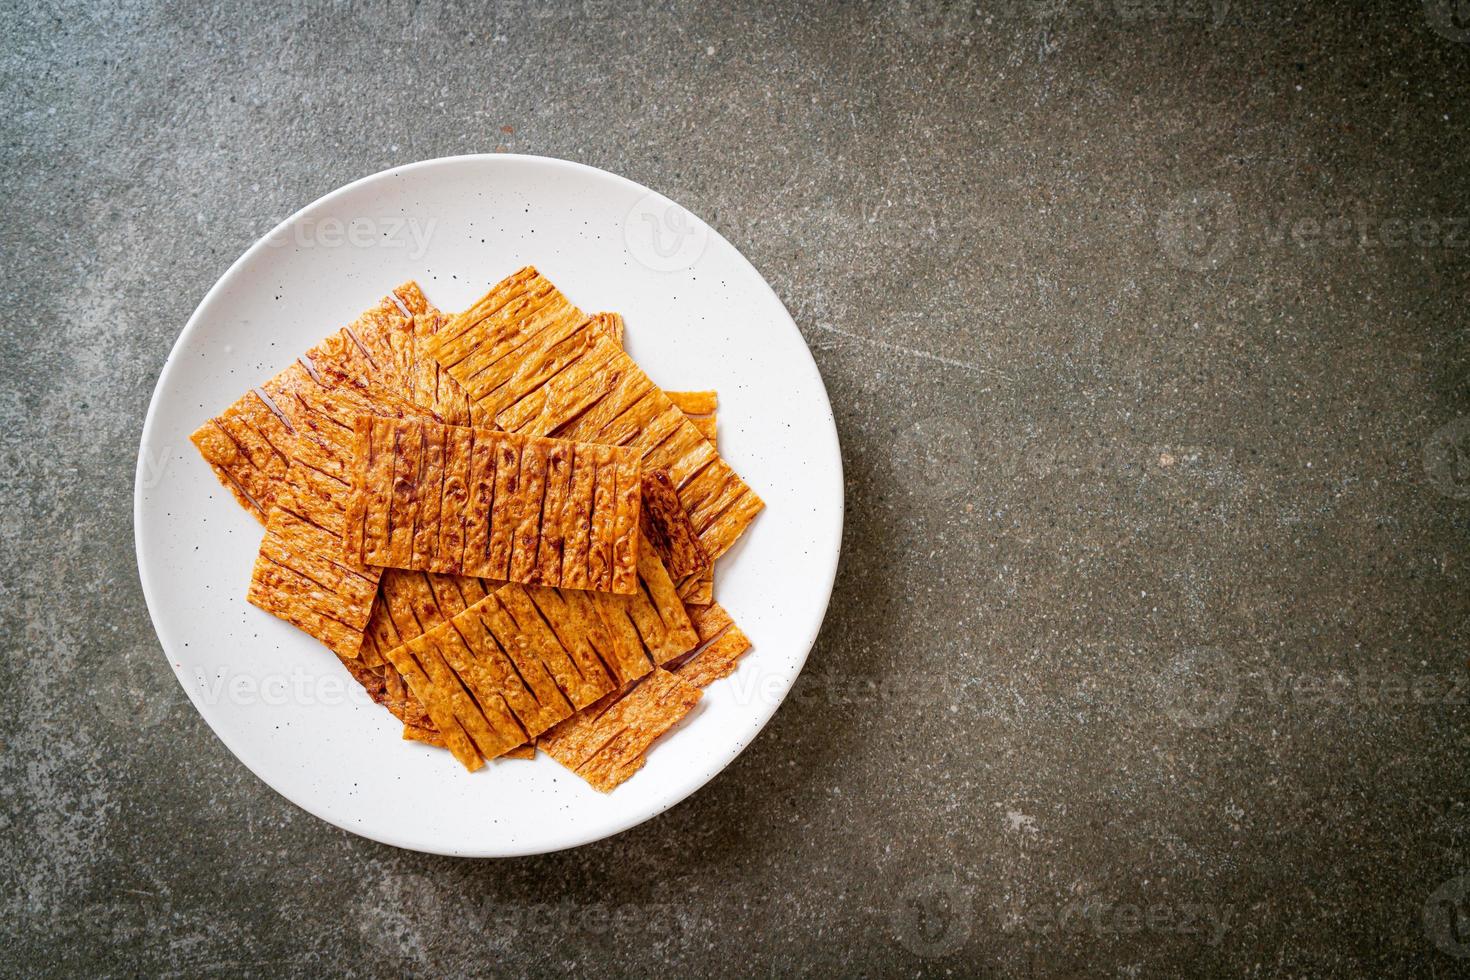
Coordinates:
<point>698,316</point>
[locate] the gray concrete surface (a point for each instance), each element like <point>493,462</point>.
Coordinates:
<point>1144,322</point>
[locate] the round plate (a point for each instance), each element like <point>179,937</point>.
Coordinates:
<point>698,315</point>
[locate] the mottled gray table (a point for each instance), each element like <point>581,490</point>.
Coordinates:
<point>1144,324</point>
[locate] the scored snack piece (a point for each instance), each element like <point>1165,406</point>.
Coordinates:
<point>412,603</point>
<point>408,605</point>
<point>540,367</point>
<point>408,602</point>
<point>428,384</point>
<point>300,574</point>
<point>298,578</point>
<point>248,445</point>
<point>701,408</point>
<point>721,644</point>
<point>386,687</point>
<point>608,742</point>
<point>473,501</point>
<point>534,656</point>
<point>667,528</point>
<point>652,623</point>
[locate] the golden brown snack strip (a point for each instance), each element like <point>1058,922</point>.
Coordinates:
<point>580,625</point>
<point>520,677</point>
<point>581,682</point>
<point>301,574</point>
<point>698,405</point>
<point>627,526</point>
<point>404,446</point>
<point>722,644</point>
<point>386,687</point>
<point>667,528</point>
<point>608,743</point>
<point>537,655</point>
<point>610,324</point>
<point>299,577</point>
<point>526,532</point>
<point>506,503</point>
<point>599,546</point>
<point>429,735</point>
<point>249,445</point>
<point>558,488</point>
<point>571,742</point>
<point>412,603</point>
<point>466,731</point>
<point>405,469</point>
<point>701,409</point>
<point>439,706</point>
<point>576,517</point>
<point>530,359</point>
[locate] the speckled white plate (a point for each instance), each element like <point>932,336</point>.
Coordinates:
<point>698,315</point>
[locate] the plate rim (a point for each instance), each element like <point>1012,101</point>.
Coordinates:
<point>152,602</point>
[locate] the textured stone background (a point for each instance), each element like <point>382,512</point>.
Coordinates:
<point>1144,323</point>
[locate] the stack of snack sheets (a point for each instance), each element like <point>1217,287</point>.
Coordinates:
<point>497,522</point>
